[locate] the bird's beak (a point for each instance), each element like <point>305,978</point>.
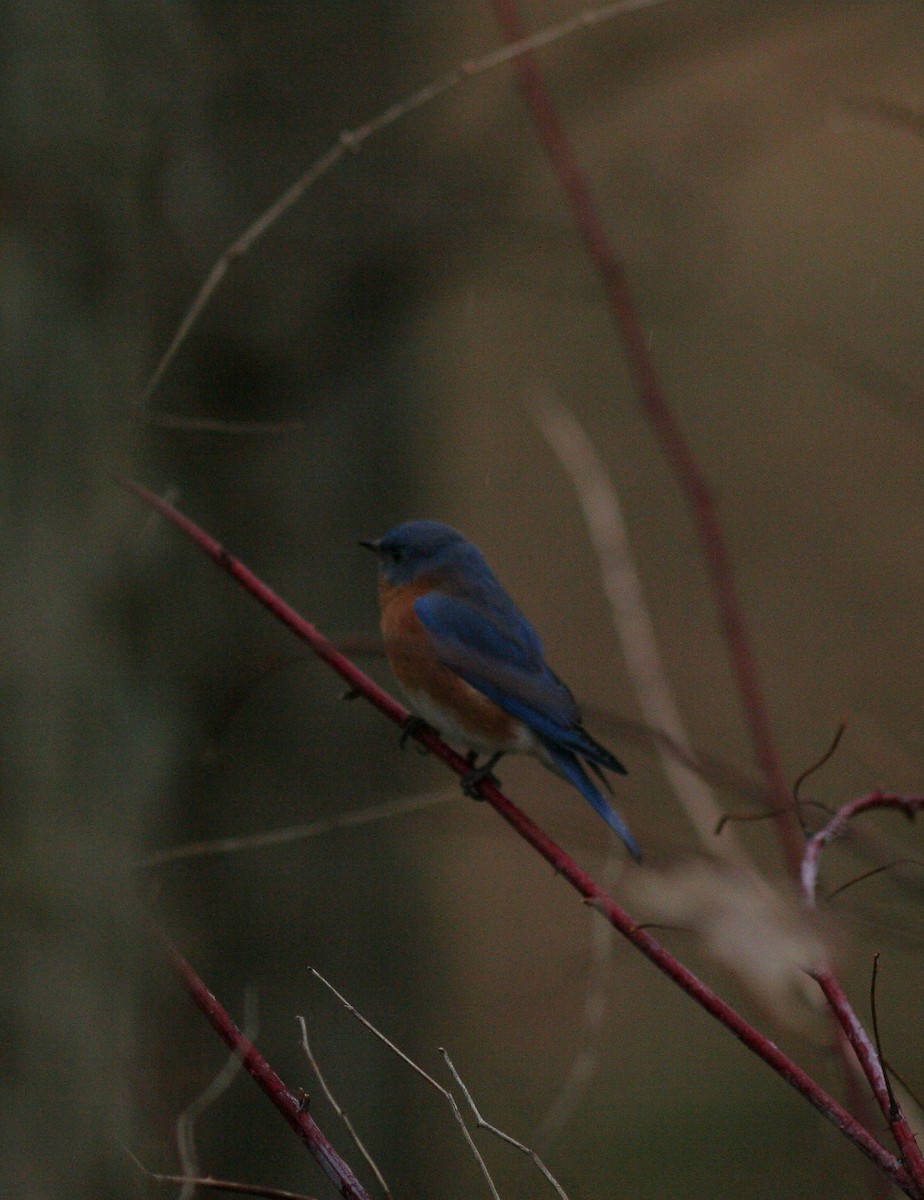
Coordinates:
<point>369,545</point>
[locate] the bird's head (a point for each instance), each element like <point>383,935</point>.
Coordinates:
<point>419,547</point>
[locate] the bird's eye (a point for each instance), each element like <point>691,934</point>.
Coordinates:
<point>397,554</point>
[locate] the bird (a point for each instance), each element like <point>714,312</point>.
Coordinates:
<point>473,667</point>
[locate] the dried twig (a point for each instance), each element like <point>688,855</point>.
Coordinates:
<point>341,1111</point>
<point>874,1016</point>
<point>350,142</point>
<point>444,1092</point>
<point>499,1133</point>
<point>298,833</point>
<point>186,1122</point>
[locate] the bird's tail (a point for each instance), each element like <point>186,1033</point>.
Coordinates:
<point>572,769</point>
<point>579,741</point>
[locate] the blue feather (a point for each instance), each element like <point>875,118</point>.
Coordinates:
<point>572,770</point>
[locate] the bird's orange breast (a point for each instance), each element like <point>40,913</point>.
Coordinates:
<point>419,671</point>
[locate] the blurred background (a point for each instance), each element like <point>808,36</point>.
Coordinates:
<point>377,356</point>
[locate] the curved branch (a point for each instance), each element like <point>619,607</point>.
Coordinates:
<point>837,827</point>
<point>351,141</point>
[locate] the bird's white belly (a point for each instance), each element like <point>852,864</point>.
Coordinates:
<point>522,741</point>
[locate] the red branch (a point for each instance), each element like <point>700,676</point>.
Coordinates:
<point>289,1104</point>
<point>811,857</point>
<point>868,1058</point>
<point>563,864</point>
<point>651,392</point>
<point>859,1039</point>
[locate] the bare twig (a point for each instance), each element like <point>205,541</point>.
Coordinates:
<point>499,1133</point>
<point>866,1053</point>
<point>818,763</point>
<point>565,866</point>
<point>350,142</point>
<point>444,1092</point>
<point>872,872</point>
<point>874,1016</point>
<point>218,1185</point>
<point>609,535</point>
<point>869,1059</point>
<point>186,1122</point>
<point>341,1111</point>
<point>298,833</point>
<point>839,825</point>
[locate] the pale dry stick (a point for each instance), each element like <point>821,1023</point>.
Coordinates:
<point>298,833</point>
<point>218,1185</point>
<point>341,1111</point>
<point>585,1062</point>
<point>450,1098</point>
<point>499,1133</point>
<point>185,1125</point>
<point>351,141</point>
<point>609,536</point>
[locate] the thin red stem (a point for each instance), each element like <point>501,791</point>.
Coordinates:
<point>866,1053</point>
<point>811,856</point>
<point>650,389</point>
<point>563,864</point>
<point>868,1059</point>
<point>287,1102</point>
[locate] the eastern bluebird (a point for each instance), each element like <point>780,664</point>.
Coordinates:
<point>473,667</point>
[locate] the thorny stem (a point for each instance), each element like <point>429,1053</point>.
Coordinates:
<point>286,1101</point>
<point>552,853</point>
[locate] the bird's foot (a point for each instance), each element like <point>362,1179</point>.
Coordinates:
<point>412,726</point>
<point>471,779</point>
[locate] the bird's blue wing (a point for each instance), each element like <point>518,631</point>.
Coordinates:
<point>498,652</point>
<point>488,650</point>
